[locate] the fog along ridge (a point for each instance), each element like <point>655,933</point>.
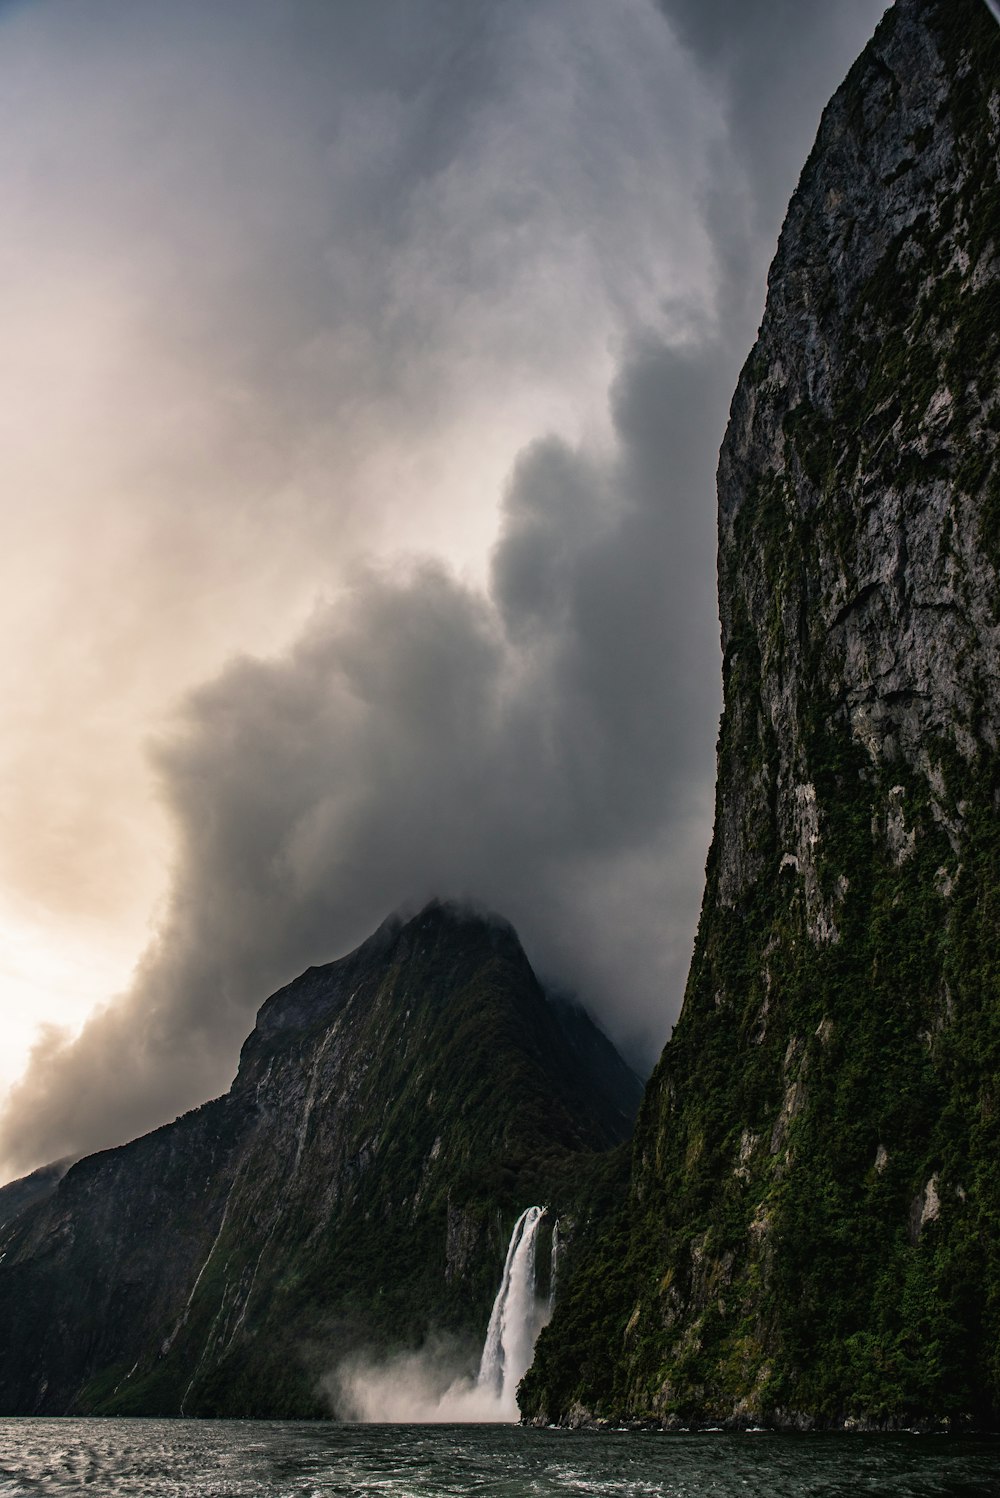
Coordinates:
<point>349,1200</point>
<point>813,1228</point>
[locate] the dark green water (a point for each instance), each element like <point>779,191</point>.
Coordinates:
<point>243,1459</point>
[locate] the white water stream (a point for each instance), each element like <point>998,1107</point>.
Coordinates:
<point>417,1387</point>
<point>517,1318</point>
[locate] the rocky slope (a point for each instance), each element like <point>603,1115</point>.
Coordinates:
<point>41,1183</point>
<point>392,1115</point>
<point>813,1233</point>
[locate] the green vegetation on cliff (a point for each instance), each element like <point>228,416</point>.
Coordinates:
<point>812,1232</point>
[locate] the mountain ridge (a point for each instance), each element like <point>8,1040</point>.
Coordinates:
<point>393,1113</point>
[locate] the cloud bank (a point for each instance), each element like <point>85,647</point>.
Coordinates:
<point>463,254</point>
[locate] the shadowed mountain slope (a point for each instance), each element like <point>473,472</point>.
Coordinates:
<point>392,1115</point>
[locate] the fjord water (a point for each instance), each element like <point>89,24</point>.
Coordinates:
<point>270,1459</point>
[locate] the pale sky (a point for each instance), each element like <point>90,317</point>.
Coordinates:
<point>363,372</point>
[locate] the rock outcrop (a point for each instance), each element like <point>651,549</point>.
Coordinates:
<point>813,1234</point>
<point>393,1114</point>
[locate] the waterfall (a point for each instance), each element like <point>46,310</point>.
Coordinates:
<point>411,1388</point>
<point>517,1318</point>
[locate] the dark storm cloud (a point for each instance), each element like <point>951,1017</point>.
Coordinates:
<point>777,61</point>
<point>542,744</point>
<point>542,749</point>
<point>281,283</point>
<point>774,64</point>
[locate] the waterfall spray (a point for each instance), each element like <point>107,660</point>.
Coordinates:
<point>517,1318</point>
<point>411,1388</point>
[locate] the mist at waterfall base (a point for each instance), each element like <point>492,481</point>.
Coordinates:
<point>429,1386</point>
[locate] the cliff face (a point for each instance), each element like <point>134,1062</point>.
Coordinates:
<point>392,1115</point>
<point>814,1225</point>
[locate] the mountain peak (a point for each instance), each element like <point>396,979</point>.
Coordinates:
<point>393,1114</point>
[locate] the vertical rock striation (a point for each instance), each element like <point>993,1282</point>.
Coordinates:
<point>813,1232</point>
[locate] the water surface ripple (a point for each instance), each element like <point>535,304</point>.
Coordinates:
<point>271,1459</point>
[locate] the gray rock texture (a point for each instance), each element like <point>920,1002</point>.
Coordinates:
<point>857,482</point>
<point>813,1233</point>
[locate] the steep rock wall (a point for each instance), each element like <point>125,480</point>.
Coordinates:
<point>813,1232</point>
